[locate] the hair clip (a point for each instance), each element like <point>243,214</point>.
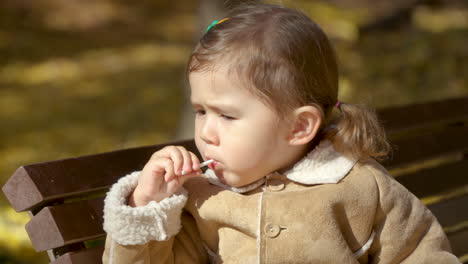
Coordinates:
<point>338,104</point>
<point>215,23</point>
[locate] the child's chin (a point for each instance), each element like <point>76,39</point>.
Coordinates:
<point>229,179</point>
<point>234,184</point>
<point>221,178</point>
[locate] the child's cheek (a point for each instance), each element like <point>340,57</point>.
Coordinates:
<point>242,154</point>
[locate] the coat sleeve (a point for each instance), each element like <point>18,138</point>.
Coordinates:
<point>406,231</point>
<point>159,232</point>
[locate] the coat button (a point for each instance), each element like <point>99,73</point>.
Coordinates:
<point>275,185</point>
<point>272,230</point>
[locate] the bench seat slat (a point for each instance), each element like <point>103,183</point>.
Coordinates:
<point>34,185</point>
<point>60,225</point>
<point>88,256</point>
<point>427,146</point>
<point>428,182</point>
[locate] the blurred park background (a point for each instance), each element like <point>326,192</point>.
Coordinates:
<point>89,76</point>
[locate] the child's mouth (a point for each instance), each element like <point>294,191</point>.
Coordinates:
<point>212,165</point>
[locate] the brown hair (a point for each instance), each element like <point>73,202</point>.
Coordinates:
<point>286,60</point>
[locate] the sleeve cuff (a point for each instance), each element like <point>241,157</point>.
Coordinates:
<point>138,225</point>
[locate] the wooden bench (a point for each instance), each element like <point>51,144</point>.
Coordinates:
<point>65,198</point>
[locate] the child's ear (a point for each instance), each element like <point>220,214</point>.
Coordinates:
<point>305,125</point>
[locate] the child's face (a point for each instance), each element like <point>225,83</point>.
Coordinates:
<point>244,136</point>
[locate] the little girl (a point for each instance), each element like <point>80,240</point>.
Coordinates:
<point>294,177</point>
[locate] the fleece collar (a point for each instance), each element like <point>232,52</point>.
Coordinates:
<point>322,165</point>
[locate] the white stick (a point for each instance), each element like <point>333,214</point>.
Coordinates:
<point>203,164</point>
<point>206,163</point>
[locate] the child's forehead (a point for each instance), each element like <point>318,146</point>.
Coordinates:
<point>218,79</point>
<point>215,86</point>
<point>227,75</point>
<point>221,87</point>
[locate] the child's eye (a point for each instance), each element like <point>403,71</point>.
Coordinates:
<point>200,112</point>
<point>227,117</point>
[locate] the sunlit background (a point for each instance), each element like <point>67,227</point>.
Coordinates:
<point>89,76</point>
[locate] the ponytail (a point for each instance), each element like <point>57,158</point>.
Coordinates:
<point>359,133</point>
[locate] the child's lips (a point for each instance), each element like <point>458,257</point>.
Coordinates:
<point>212,165</point>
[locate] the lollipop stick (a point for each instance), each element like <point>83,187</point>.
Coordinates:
<point>203,164</point>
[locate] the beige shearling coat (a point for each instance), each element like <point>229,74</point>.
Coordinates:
<point>326,209</point>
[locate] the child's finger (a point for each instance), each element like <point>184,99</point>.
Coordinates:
<point>195,162</point>
<point>177,158</point>
<point>169,168</point>
<point>155,172</point>
<point>187,163</point>
<point>170,152</point>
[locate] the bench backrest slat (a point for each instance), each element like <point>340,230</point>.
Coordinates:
<point>85,256</point>
<point>428,182</point>
<point>428,145</point>
<point>398,119</point>
<point>64,224</point>
<point>448,212</point>
<point>458,241</point>
<point>36,185</point>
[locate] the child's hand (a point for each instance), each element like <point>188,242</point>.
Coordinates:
<point>162,175</point>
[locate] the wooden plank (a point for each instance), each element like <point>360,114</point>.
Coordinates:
<point>57,252</point>
<point>436,180</point>
<point>451,212</point>
<point>449,141</point>
<point>88,256</point>
<point>34,185</point>
<point>19,189</point>
<point>65,224</point>
<point>424,114</point>
<point>459,242</point>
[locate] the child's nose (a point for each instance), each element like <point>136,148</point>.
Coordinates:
<point>209,132</point>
